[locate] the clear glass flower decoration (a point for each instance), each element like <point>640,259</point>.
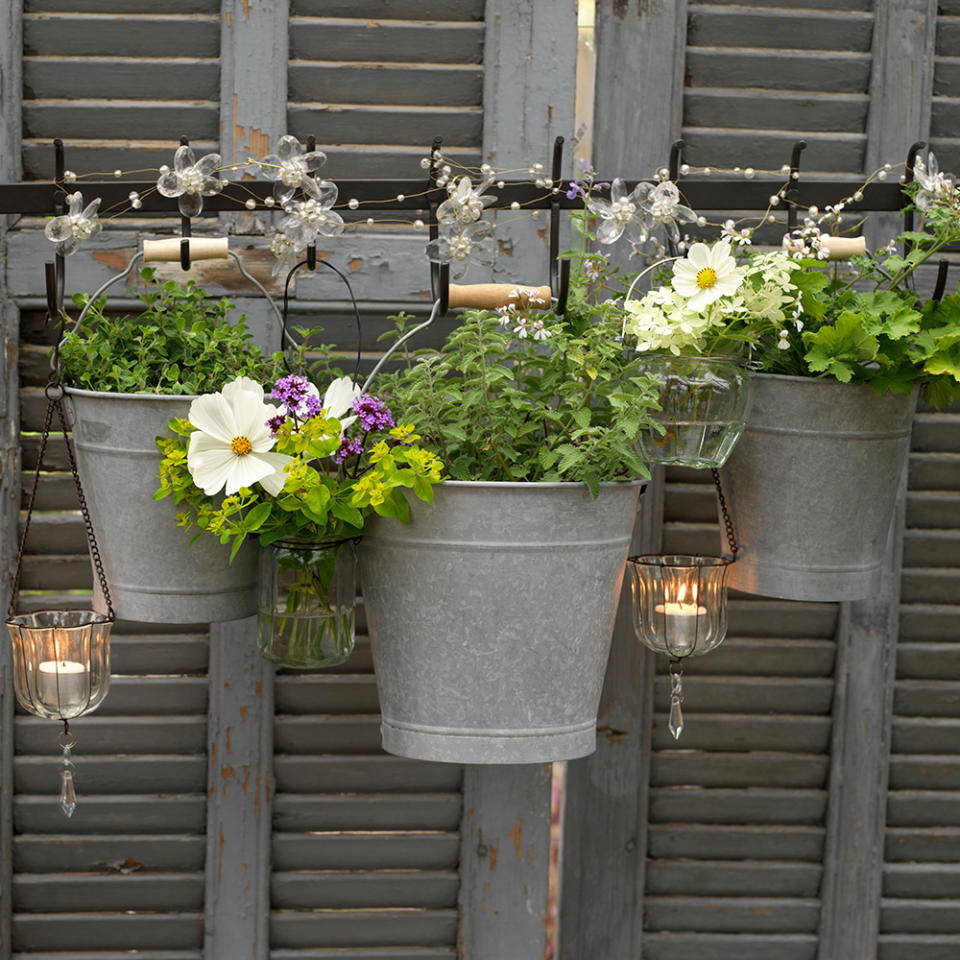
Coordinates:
<point>935,185</point>
<point>462,246</point>
<point>638,212</point>
<point>311,218</point>
<point>466,203</point>
<point>286,252</point>
<point>78,224</point>
<point>191,180</point>
<point>290,166</point>
<point>661,206</point>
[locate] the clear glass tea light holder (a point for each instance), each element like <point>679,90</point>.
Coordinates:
<point>61,661</point>
<point>679,603</point>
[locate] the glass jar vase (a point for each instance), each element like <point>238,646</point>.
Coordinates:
<point>306,617</point>
<point>704,404</point>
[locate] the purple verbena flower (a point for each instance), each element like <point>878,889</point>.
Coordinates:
<point>291,391</point>
<point>312,406</point>
<point>275,423</point>
<point>348,450</point>
<point>374,414</point>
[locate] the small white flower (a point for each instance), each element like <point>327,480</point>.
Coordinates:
<point>78,224</point>
<point>540,332</point>
<point>465,203</point>
<point>231,446</point>
<point>311,218</point>
<point>290,167</point>
<point>706,274</point>
<point>191,180</point>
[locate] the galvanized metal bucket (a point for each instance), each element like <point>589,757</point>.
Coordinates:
<point>812,486</point>
<point>155,574</point>
<point>491,617</point>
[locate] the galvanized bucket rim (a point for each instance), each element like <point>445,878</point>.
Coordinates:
<point>828,382</point>
<point>77,391</point>
<point>536,484</point>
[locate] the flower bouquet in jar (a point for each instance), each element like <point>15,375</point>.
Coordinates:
<point>301,475</point>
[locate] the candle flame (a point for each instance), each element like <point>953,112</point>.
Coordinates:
<point>682,593</point>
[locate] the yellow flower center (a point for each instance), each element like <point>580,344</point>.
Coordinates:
<point>706,278</point>
<point>241,446</point>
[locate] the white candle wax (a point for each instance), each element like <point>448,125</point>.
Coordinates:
<point>679,621</point>
<point>63,685</point>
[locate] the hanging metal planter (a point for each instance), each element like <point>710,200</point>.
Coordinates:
<point>680,606</point>
<point>61,658</point>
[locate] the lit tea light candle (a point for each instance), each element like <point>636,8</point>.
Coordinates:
<point>680,621</point>
<point>63,685</point>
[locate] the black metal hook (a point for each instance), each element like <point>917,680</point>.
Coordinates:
<point>184,228</point>
<point>793,191</point>
<point>59,208</point>
<point>676,155</point>
<point>559,269</point>
<point>311,260</point>
<point>943,269</point>
<point>439,272</point>
<point>915,148</point>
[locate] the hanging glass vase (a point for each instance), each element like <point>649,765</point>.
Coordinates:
<point>307,610</point>
<point>704,403</point>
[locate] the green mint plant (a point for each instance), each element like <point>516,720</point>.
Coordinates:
<point>180,344</point>
<point>515,395</point>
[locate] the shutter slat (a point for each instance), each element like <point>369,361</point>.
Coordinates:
<point>926,734</point>
<point>737,769</point>
<point>407,84</point>
<point>934,471</point>
<point>319,693</point>
<point>39,853</point>
<point>145,35</point>
<point>363,774</point>
<point>921,880</point>
<point>366,851</point>
<point>744,878</point>
<point>714,842</point>
<point>927,698</point>
<point>931,946</point>
<point>923,808</point>
<point>304,889</point>
<point>750,108</point>
<point>106,931</point>
<point>733,914</point>
<point>386,811</point>
<point>356,123</point>
<point>813,70</point>
<point>920,916</point>
<point>756,805</point>
<point>923,843</point>
<point>358,928</point>
<point>353,734</point>
<point>320,38</point>
<point>119,119</point>
<point>35,892</point>
<point>764,657</point>
<point>718,946</point>
<point>120,813</point>
<point>112,775</point>
<point>713,694</point>
<point>391,9</point>
<point>729,732</point>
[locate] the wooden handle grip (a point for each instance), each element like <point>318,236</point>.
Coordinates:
<point>489,296</point>
<point>201,248</point>
<point>840,248</point>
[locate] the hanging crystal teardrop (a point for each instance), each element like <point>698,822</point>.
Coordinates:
<point>68,792</point>
<point>676,698</point>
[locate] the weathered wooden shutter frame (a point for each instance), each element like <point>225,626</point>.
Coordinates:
<point>11,48</point>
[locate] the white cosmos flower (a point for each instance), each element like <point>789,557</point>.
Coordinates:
<point>231,446</point>
<point>706,274</point>
<point>339,399</point>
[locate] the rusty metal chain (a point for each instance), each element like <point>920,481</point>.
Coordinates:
<point>727,519</point>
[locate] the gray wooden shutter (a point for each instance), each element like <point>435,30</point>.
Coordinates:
<point>736,822</point>
<point>126,871</point>
<point>371,839</point>
<point>376,81</point>
<point>921,907</point>
<point>945,112</point>
<point>118,86</point>
<point>760,77</point>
